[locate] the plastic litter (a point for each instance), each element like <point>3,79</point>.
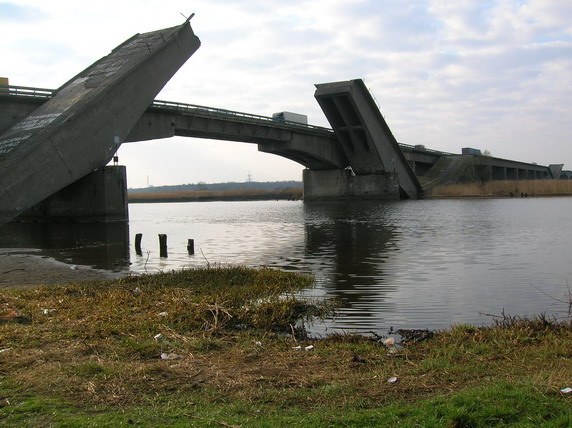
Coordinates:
<point>137,291</point>
<point>74,267</point>
<point>566,390</point>
<point>158,336</point>
<point>47,311</point>
<point>165,356</point>
<point>392,379</point>
<point>309,348</point>
<point>390,345</point>
<point>162,314</point>
<point>297,348</point>
<point>258,343</point>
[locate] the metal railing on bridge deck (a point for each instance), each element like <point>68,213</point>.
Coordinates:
<point>25,91</point>
<point>43,94</point>
<point>246,117</point>
<point>423,149</point>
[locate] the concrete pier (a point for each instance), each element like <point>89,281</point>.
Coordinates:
<point>98,197</point>
<point>339,184</point>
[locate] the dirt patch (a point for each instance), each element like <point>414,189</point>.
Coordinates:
<point>20,269</point>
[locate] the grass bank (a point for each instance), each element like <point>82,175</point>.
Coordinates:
<point>225,347</point>
<point>506,188</point>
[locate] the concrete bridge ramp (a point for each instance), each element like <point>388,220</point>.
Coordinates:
<point>363,134</point>
<point>80,128</point>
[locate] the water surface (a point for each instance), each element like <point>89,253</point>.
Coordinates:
<point>405,264</point>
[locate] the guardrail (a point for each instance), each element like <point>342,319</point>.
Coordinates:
<point>25,91</point>
<point>218,112</point>
<point>424,149</point>
<point>43,94</point>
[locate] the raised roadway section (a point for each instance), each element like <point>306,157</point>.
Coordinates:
<point>364,135</point>
<point>81,126</point>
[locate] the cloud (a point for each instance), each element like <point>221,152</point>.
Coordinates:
<point>12,12</point>
<point>494,74</point>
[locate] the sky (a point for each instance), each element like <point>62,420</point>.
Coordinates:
<point>494,75</point>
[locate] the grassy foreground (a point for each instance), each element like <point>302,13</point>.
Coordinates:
<point>218,347</point>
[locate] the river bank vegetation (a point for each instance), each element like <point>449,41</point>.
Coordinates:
<point>217,195</point>
<point>226,346</point>
<point>506,188</point>
<point>232,191</point>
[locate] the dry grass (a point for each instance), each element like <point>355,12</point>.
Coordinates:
<point>231,336</point>
<point>183,195</point>
<point>503,189</point>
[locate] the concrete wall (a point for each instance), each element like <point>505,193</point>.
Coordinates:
<point>14,110</point>
<point>342,184</point>
<point>98,197</point>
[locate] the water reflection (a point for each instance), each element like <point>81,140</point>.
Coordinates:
<point>414,264</point>
<point>356,239</point>
<point>100,245</point>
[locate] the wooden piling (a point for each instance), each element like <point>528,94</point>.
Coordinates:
<point>191,246</point>
<point>138,238</point>
<point>163,245</point>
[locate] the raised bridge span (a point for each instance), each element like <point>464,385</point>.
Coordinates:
<point>78,129</point>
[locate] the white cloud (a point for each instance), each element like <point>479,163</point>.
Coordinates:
<point>489,74</point>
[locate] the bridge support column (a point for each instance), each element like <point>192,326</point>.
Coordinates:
<point>341,184</point>
<point>98,197</point>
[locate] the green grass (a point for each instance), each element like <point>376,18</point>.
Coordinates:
<point>94,360</point>
<point>499,404</point>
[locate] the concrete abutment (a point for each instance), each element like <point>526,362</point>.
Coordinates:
<point>100,196</point>
<point>342,184</point>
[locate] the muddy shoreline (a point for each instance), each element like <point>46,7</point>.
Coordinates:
<point>22,268</point>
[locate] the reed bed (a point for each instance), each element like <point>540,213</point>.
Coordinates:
<point>508,188</point>
<point>190,195</point>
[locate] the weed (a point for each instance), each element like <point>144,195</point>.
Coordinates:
<point>219,347</point>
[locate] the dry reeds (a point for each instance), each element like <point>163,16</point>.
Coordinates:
<point>198,195</point>
<point>503,189</point>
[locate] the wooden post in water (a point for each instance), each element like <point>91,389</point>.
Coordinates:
<point>191,246</point>
<point>138,238</point>
<point>163,245</point>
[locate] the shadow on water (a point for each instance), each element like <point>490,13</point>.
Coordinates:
<point>99,245</point>
<point>356,238</point>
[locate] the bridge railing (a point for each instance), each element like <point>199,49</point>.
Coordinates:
<point>212,111</point>
<point>424,149</point>
<point>25,91</point>
<point>42,93</point>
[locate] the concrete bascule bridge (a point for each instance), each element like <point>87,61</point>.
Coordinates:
<point>55,145</point>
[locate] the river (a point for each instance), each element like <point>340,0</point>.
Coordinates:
<point>402,264</point>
